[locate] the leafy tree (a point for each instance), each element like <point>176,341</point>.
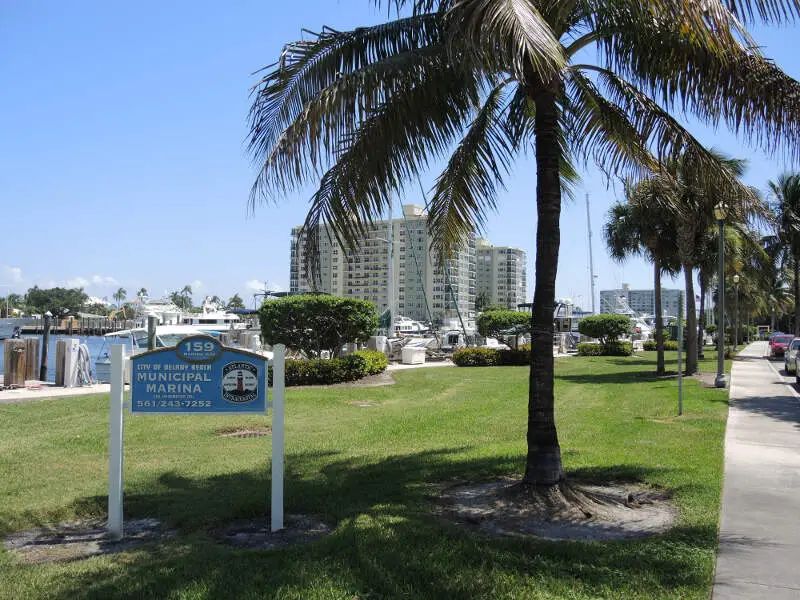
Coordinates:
<point>785,203</point>
<point>606,328</point>
<point>313,323</point>
<point>235,302</point>
<point>495,323</point>
<point>482,300</point>
<point>180,300</point>
<point>373,107</point>
<point>643,227</point>
<point>120,295</point>
<point>58,301</point>
<point>97,308</point>
<point>217,301</point>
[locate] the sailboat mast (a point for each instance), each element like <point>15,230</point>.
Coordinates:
<point>591,257</point>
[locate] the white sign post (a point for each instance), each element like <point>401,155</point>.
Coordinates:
<point>278,386</point>
<point>115,453</point>
<point>116,421</point>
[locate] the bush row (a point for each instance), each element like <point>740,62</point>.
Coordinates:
<point>336,370</point>
<point>608,349</point>
<point>650,345</point>
<point>492,357</point>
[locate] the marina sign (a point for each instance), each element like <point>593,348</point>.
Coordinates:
<point>199,375</point>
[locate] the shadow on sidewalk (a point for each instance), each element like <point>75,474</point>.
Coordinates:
<point>783,408</point>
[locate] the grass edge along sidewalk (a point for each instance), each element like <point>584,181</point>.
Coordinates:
<point>368,462</point>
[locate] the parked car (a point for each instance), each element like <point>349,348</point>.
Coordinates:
<point>779,345</point>
<point>773,335</point>
<point>790,362</point>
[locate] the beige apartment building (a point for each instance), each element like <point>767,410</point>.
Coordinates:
<point>423,290</point>
<point>501,274</point>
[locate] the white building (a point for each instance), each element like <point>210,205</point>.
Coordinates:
<point>501,277</point>
<point>423,290</point>
<point>640,302</point>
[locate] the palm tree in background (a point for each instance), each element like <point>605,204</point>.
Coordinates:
<point>120,295</point>
<point>142,293</point>
<point>642,227</point>
<point>362,112</point>
<point>785,204</point>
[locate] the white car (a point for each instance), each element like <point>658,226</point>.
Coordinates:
<point>790,357</point>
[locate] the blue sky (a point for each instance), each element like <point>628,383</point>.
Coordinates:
<point>122,157</point>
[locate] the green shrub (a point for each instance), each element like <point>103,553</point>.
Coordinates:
<point>476,357</point>
<point>606,328</point>
<point>609,349</point>
<point>521,357</point>
<point>650,345</point>
<point>376,361</point>
<point>335,370</point>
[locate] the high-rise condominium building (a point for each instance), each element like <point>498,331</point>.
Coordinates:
<point>423,290</point>
<point>501,278</point>
<point>640,302</point>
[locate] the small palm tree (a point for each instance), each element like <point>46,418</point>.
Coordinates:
<point>120,295</point>
<point>640,227</point>
<point>361,112</point>
<point>142,293</point>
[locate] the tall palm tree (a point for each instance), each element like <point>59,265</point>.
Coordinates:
<point>638,228</point>
<point>120,295</point>
<point>364,111</point>
<point>142,293</point>
<point>785,204</point>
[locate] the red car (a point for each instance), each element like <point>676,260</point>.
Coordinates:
<point>779,345</point>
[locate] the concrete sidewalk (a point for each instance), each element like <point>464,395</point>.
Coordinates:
<point>759,538</point>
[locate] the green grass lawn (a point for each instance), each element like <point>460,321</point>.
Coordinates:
<point>369,473</point>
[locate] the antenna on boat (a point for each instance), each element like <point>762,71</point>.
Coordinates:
<point>591,258</point>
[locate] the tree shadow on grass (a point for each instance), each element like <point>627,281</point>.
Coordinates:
<point>619,377</point>
<point>386,543</point>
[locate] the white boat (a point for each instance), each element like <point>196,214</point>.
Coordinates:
<point>212,319</point>
<point>135,341</point>
<point>405,326</point>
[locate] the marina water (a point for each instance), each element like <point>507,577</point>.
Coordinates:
<point>97,347</point>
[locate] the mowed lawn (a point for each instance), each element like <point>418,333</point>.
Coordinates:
<point>371,472</point>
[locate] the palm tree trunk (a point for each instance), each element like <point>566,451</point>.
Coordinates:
<point>660,369</point>
<point>691,321</point>
<point>543,464</point>
<point>701,323</point>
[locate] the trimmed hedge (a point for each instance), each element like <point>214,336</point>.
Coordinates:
<point>491,357</point>
<point>335,370</point>
<point>609,349</point>
<point>476,357</point>
<point>650,345</point>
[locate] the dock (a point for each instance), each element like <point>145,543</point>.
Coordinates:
<point>80,326</point>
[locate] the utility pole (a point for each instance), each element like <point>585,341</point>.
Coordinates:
<point>591,257</point>
<point>390,270</point>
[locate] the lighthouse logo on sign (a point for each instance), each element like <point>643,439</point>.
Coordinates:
<point>239,382</point>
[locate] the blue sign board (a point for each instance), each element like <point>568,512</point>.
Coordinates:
<point>199,375</point>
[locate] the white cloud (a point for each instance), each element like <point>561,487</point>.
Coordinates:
<point>255,285</point>
<point>196,284</point>
<point>103,280</point>
<point>76,282</point>
<point>12,274</point>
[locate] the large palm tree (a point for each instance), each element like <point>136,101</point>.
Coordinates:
<point>642,227</point>
<point>785,204</point>
<point>362,112</point>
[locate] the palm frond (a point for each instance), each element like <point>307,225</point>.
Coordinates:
<point>774,11</point>
<point>313,140</point>
<point>393,144</point>
<point>507,36</point>
<point>465,191</point>
<point>736,86</point>
<point>308,67</point>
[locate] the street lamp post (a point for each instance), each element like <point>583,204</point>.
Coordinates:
<point>736,280</point>
<point>721,213</point>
